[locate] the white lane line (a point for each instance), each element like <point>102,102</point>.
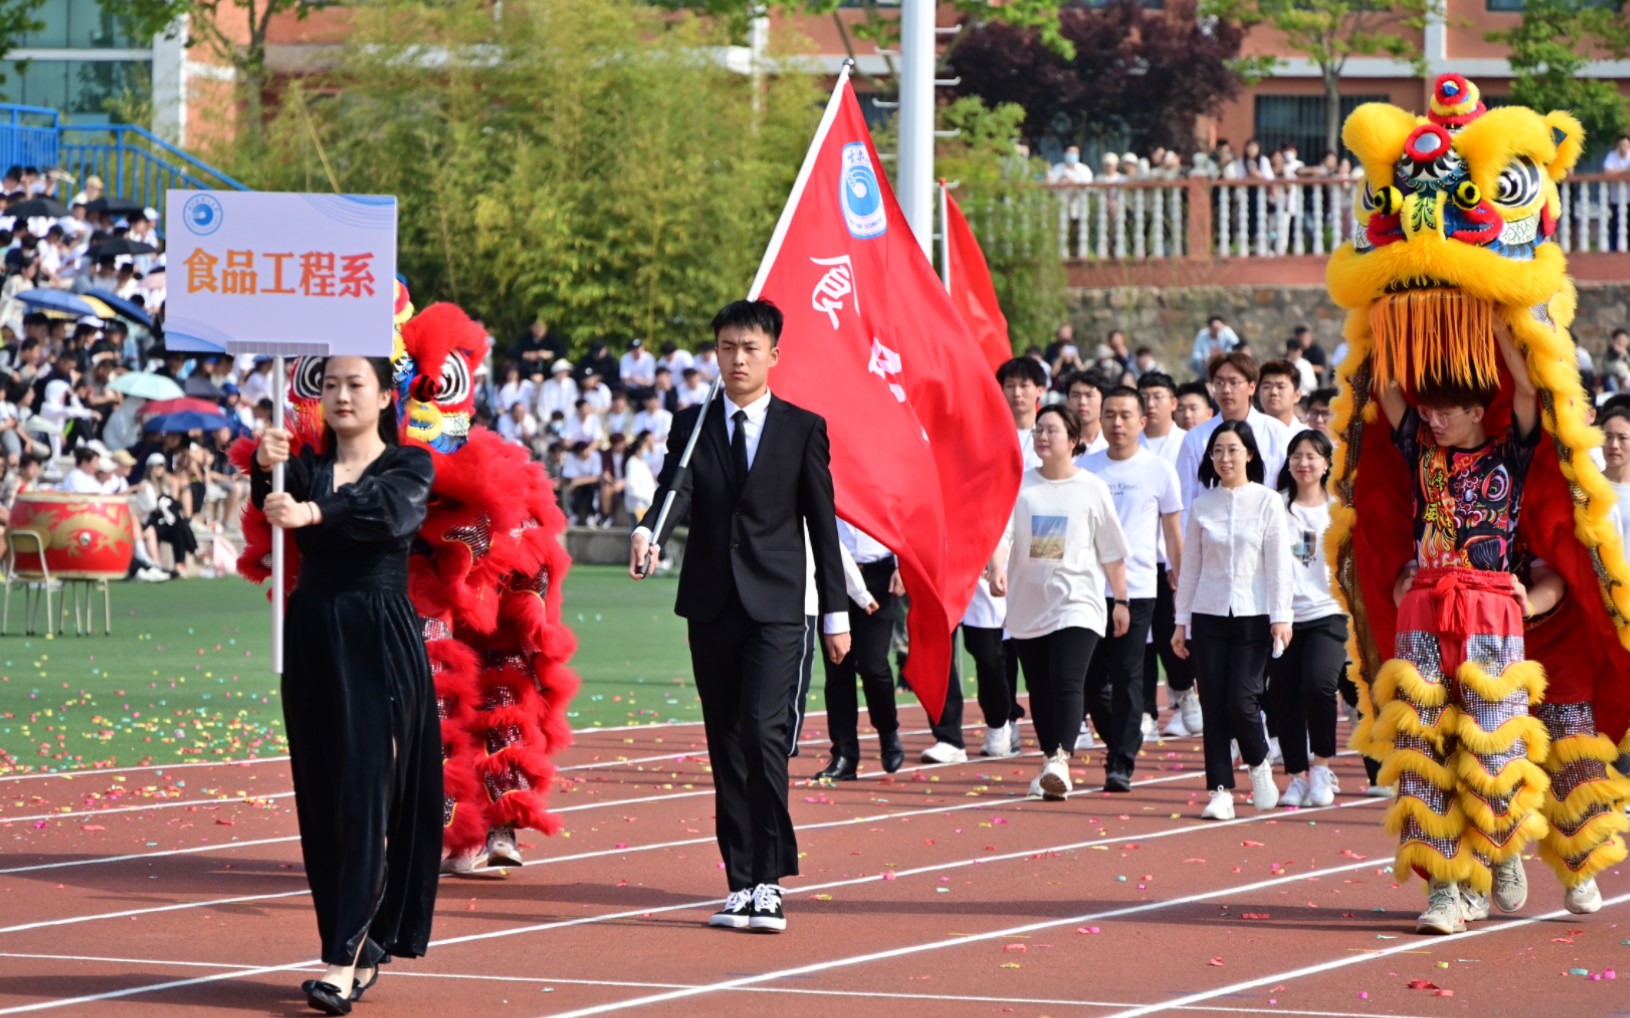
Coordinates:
<point>91,773</point>
<point>404,972</point>
<point>558,860</point>
<point>706,903</point>
<point>1500,926</point>
<point>138,856</point>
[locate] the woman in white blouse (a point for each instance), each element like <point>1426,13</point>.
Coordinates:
<point>1234,599</point>
<point>1063,541</point>
<point>1302,684</point>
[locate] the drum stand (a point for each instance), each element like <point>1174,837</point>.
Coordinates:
<point>37,590</point>
<point>85,624</point>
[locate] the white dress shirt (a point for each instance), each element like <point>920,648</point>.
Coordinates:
<point>1272,439</point>
<point>1236,556</point>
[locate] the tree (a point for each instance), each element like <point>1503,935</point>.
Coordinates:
<point>575,158</point>
<point>17,21</point>
<point>1554,42</point>
<point>1331,32</point>
<point>1139,75</point>
<point>153,18</point>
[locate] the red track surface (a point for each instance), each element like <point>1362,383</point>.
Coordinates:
<point>939,891</point>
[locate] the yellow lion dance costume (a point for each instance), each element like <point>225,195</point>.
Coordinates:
<point>1504,738</point>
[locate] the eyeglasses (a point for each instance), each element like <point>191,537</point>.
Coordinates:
<point>1221,382</point>
<point>1441,417</point>
<point>1045,432</point>
<point>1317,414</point>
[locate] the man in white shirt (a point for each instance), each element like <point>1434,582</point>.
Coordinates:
<point>518,427</point>
<point>675,359</point>
<point>1307,376</point>
<point>995,662</point>
<point>595,391</point>
<point>1086,397</point>
<point>1164,438</point>
<point>707,362</point>
<point>654,419</point>
<point>1214,339</point>
<point>558,391</point>
<point>1193,405</point>
<point>1617,162</point>
<point>580,481</point>
<point>693,389</point>
<point>1277,393</point>
<point>868,572</point>
<point>1149,506</point>
<point>81,480</point>
<point>619,417</point>
<point>584,426</point>
<point>1233,380</point>
<point>638,369</point>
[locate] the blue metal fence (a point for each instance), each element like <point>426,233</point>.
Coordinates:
<point>29,136</point>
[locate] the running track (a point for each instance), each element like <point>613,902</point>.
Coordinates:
<point>938,891</point>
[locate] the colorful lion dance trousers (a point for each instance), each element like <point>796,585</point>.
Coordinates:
<point>1481,762</point>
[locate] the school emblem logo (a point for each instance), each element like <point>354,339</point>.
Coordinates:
<point>862,196</point>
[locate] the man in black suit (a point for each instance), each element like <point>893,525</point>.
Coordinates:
<point>759,474</point>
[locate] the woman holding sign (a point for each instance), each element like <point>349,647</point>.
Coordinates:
<point>360,709</point>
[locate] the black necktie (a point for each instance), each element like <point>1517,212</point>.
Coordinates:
<point>738,446</point>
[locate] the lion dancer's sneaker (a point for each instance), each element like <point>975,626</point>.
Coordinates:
<point>1585,804</point>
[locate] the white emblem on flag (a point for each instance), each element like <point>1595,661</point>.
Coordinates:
<point>886,362</point>
<point>835,284</point>
<point>862,196</point>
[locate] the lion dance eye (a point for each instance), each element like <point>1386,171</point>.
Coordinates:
<point>307,382</point>
<point>1389,201</point>
<point>1468,195</point>
<point>1519,184</point>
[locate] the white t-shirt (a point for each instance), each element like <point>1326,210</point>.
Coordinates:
<point>1094,447</point>
<point>1309,568</point>
<point>1308,378</point>
<point>1144,488</point>
<point>641,486</point>
<point>1059,538</point>
<point>1167,447</point>
<point>583,429</point>
<point>658,424</point>
<point>986,611</point>
<point>581,466</point>
<point>78,482</point>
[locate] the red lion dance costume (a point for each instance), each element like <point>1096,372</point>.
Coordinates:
<point>485,577</point>
<point>1498,730</point>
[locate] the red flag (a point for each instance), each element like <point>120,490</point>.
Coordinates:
<point>967,277</point>
<point>924,456</point>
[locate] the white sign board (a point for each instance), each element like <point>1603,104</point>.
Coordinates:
<point>280,274</point>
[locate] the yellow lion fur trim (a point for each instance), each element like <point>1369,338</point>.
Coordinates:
<point>1401,718</point>
<point>1517,772</point>
<point>1398,676</point>
<point>1473,739</point>
<point>1406,807</point>
<point>1415,857</point>
<point>1608,792</point>
<point>1607,853</point>
<point>1402,761</point>
<point>1498,841</point>
<point>1527,676</point>
<point>1575,748</point>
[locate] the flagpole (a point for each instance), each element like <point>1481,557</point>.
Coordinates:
<point>804,172</point>
<point>280,383</point>
<point>945,235</point>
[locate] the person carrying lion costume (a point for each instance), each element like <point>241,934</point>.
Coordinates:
<point>1488,590</point>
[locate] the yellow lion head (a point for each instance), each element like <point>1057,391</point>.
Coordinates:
<point>1456,218</point>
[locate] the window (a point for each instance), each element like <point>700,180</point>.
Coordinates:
<point>1300,120</point>
<point>81,24</point>
<point>81,89</point>
<point>1503,5</point>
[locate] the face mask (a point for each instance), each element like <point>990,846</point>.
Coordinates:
<point>1070,158</point>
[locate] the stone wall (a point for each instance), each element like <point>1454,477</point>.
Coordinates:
<point>1166,318</point>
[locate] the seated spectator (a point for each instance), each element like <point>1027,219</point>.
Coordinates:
<point>637,370</point>
<point>580,480</point>
<point>516,389</point>
<point>621,416</point>
<point>693,389</point>
<point>707,362</point>
<point>584,426</point>
<point>639,483</point>
<point>612,478</point>
<point>675,359</point>
<point>163,505</point>
<point>596,392</point>
<point>559,392</point>
<point>518,426</point>
<point>81,480</point>
<point>654,418</point>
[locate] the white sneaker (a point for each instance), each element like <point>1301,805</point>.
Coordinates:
<point>944,753</point>
<point>1445,911</point>
<point>1275,755</point>
<point>151,574</point>
<point>1175,728</point>
<point>1264,793</point>
<point>997,742</point>
<point>1473,906</point>
<point>1583,899</point>
<point>1321,786</point>
<point>1188,705</point>
<point>501,847</point>
<point>1084,741</point>
<point>1221,806</point>
<point>1296,793</point>
<point>1151,729</point>
<point>1234,759</point>
<point>1014,745</point>
<point>1381,791</point>
<point>1055,777</point>
<point>1510,885</point>
<point>466,862</point>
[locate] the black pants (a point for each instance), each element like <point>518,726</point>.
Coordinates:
<point>1115,687</point>
<point>806,672</point>
<point>1229,656</point>
<point>949,727</point>
<point>746,673</point>
<point>1303,686</point>
<point>1055,671</point>
<point>1158,651</point>
<point>997,670</point>
<point>868,658</point>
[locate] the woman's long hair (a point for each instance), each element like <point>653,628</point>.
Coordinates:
<point>1321,445</point>
<point>384,372</point>
<point>1253,468</point>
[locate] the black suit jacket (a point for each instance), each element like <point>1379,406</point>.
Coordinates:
<point>750,535</point>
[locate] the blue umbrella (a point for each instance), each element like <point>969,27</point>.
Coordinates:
<point>68,303</point>
<point>126,309</point>
<point>188,420</point>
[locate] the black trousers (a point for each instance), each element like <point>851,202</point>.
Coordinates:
<point>1055,671</point>
<point>949,727</point>
<point>1229,656</point>
<point>868,658</point>
<point>1179,672</point>
<point>1303,683</point>
<point>806,672</point>
<point>1115,687</point>
<point>997,669</point>
<point>746,673</point>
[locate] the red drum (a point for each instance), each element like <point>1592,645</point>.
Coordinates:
<point>86,537</point>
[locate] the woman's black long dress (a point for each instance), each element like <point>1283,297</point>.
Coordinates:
<point>360,708</point>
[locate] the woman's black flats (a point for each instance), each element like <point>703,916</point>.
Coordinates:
<point>326,997</point>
